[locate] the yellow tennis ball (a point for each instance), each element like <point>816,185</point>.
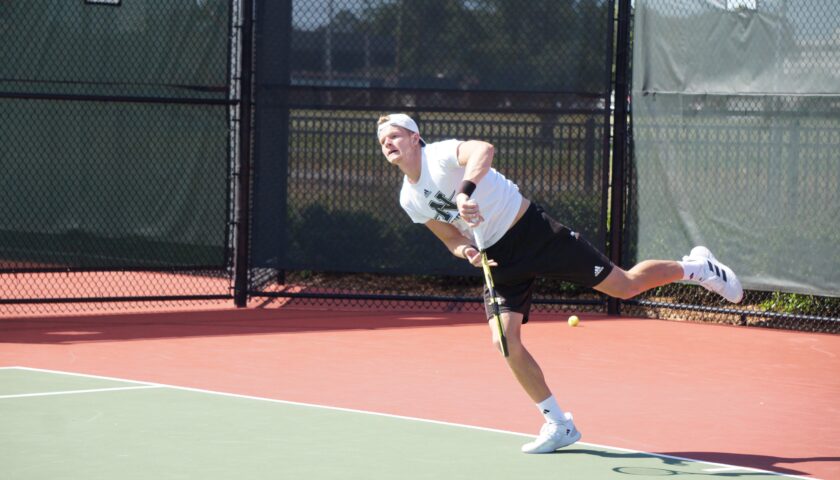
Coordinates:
<point>573,321</point>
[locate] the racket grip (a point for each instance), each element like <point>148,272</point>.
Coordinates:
<point>479,239</point>
<point>502,336</point>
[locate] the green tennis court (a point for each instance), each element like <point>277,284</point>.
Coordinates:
<point>70,426</point>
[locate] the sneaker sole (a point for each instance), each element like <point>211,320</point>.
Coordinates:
<point>573,439</point>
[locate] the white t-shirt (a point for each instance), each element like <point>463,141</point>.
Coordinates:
<point>433,196</point>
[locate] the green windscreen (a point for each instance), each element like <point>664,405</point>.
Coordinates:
<point>114,146</point>
<point>736,123</point>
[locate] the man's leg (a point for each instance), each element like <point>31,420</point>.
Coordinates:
<point>521,363</point>
<point>648,274</point>
<point>699,267</point>
<point>559,430</point>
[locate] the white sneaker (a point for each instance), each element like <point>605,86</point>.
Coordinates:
<point>716,277</point>
<point>553,436</point>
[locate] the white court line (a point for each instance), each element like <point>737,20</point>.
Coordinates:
<point>415,419</point>
<point>73,392</point>
<point>721,469</point>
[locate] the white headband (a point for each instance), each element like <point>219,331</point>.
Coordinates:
<point>399,120</point>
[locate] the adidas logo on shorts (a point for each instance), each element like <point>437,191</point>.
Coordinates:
<point>598,270</point>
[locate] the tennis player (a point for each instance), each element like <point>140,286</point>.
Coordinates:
<point>451,188</point>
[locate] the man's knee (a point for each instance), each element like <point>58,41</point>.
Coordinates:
<point>618,284</point>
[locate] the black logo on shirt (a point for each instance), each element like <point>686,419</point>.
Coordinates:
<point>445,209</point>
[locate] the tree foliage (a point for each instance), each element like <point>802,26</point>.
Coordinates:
<point>534,45</point>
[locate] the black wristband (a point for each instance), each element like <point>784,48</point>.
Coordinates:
<point>467,187</point>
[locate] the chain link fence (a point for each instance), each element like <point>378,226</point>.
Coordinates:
<point>739,153</point>
<point>116,153</point>
<point>121,146</point>
<point>532,78</point>
<point>347,237</point>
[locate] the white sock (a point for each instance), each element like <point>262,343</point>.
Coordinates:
<point>692,270</point>
<point>551,411</point>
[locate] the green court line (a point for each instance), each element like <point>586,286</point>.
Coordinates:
<point>165,431</point>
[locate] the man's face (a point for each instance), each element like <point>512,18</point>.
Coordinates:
<point>397,142</point>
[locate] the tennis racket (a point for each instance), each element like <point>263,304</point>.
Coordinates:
<point>491,290</point>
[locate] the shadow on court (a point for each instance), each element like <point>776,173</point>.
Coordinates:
<point>227,322</point>
<point>121,327</point>
<point>763,462</point>
<point>672,460</point>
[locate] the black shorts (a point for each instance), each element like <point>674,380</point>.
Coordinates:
<point>539,246</point>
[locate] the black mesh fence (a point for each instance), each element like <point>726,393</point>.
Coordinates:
<point>533,78</point>
<point>122,171</point>
<point>346,234</point>
<point>363,47</point>
<point>343,212</point>
<point>116,151</point>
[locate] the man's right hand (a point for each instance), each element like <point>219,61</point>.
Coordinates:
<point>474,257</point>
<point>468,210</point>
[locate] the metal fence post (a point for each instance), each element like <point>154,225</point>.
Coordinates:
<point>243,195</point>
<point>622,83</point>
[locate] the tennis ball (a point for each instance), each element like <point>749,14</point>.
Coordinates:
<point>573,321</point>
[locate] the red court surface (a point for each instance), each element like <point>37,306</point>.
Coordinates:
<point>751,397</point>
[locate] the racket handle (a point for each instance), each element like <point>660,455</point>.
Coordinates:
<point>479,238</point>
